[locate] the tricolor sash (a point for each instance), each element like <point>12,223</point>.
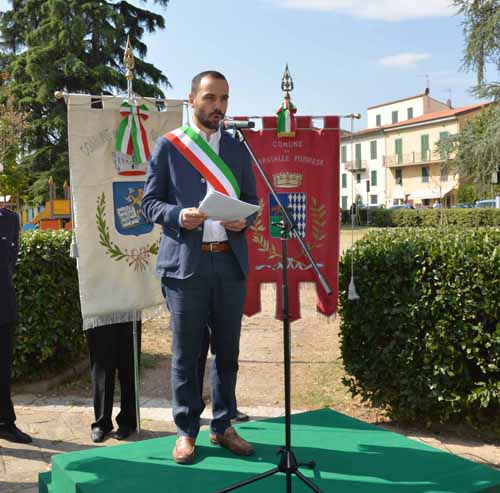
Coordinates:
<point>132,138</point>
<point>286,119</point>
<point>208,163</point>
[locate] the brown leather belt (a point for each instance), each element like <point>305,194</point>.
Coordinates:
<point>216,247</point>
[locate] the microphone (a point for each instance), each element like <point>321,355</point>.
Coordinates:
<point>236,124</point>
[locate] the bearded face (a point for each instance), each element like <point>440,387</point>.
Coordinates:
<point>210,102</point>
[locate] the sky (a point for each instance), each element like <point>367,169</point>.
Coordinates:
<point>343,55</point>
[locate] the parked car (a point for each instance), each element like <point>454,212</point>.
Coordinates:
<point>486,204</point>
<point>463,206</point>
<point>402,206</point>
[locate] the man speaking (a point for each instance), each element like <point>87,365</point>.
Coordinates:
<point>202,263</point>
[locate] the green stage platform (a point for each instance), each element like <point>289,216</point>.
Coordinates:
<point>351,457</point>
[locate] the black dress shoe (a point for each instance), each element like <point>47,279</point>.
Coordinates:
<point>12,433</point>
<point>239,416</point>
<point>123,432</point>
<point>97,435</point>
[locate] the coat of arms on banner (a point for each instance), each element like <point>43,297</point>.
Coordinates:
<point>127,197</point>
<point>139,257</point>
<point>296,203</point>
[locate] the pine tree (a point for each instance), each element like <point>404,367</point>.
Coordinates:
<point>78,46</point>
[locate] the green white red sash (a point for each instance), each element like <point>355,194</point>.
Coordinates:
<point>132,138</point>
<point>208,163</point>
<point>286,119</point>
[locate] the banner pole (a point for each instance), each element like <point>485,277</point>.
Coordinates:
<point>136,374</point>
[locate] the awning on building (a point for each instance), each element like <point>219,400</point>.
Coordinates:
<point>429,193</point>
<point>398,194</point>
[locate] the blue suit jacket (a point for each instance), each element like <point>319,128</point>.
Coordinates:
<point>172,184</point>
<point>9,247</point>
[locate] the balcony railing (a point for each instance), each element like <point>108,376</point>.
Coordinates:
<point>412,158</point>
<point>356,165</point>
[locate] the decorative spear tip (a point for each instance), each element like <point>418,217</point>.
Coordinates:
<point>287,82</point>
<point>128,59</point>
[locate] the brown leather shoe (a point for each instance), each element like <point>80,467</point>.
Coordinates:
<point>183,452</point>
<point>232,441</point>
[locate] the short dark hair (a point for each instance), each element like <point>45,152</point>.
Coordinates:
<point>195,83</point>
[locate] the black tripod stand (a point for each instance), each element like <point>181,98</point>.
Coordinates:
<point>288,463</point>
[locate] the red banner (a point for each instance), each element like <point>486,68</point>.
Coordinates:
<point>305,173</point>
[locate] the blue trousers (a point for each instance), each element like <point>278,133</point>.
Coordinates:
<point>215,293</point>
<point>205,346</point>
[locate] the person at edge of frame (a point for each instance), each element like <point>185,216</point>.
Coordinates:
<point>9,249</point>
<point>111,350</point>
<point>202,263</point>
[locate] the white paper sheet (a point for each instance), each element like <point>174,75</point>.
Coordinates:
<point>220,207</point>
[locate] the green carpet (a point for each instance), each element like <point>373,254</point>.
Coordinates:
<point>351,457</point>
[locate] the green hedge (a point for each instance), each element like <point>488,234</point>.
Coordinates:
<point>410,218</point>
<point>448,217</point>
<point>49,331</point>
<point>423,340</point>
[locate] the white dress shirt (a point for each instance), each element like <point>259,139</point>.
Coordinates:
<point>212,231</point>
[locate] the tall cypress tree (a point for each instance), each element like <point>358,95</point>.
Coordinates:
<point>78,46</point>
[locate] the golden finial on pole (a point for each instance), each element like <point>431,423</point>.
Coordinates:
<point>129,61</point>
<point>287,83</point>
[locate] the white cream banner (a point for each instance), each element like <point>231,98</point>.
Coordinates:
<point>110,142</point>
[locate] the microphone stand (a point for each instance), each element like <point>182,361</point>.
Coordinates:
<point>288,463</point>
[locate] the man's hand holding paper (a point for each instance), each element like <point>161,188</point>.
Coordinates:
<point>191,218</point>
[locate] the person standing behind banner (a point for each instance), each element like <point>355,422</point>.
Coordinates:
<point>111,350</point>
<point>9,248</point>
<point>202,263</point>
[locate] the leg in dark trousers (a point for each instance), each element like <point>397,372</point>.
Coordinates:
<point>111,348</point>
<point>233,410</point>
<point>7,415</point>
<point>202,361</point>
<point>103,352</point>
<point>127,416</point>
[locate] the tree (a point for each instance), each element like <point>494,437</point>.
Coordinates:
<point>477,146</point>
<point>13,125</point>
<point>466,194</point>
<point>482,42</point>
<point>476,149</point>
<point>78,46</point>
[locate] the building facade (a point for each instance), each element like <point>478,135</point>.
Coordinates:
<point>362,177</point>
<point>398,161</point>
